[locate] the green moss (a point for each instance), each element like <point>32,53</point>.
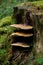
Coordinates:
<point>4,57</point>
<point>8,20</point>
<point>5,21</point>
<point>38,3</point>
<point>5,31</point>
<point>3,38</point>
<point>2,53</point>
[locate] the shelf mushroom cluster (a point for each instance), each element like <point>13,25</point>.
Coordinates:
<point>23,38</point>
<point>21,34</point>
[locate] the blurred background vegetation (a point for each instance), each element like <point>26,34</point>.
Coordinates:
<point>6,18</point>
<point>6,6</point>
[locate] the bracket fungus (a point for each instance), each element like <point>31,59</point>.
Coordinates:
<point>21,27</point>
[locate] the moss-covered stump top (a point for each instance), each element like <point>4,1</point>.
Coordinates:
<point>34,7</point>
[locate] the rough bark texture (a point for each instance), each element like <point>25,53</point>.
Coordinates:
<point>39,35</point>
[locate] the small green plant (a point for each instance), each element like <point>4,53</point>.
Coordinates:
<point>39,61</point>
<point>39,58</point>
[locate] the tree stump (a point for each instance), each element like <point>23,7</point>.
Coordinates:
<point>27,37</point>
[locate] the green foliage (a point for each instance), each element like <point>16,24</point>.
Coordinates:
<point>5,31</point>
<point>38,3</point>
<point>4,58</point>
<point>2,53</point>
<point>2,30</point>
<point>3,38</point>
<point>6,6</point>
<point>5,21</point>
<point>39,61</point>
